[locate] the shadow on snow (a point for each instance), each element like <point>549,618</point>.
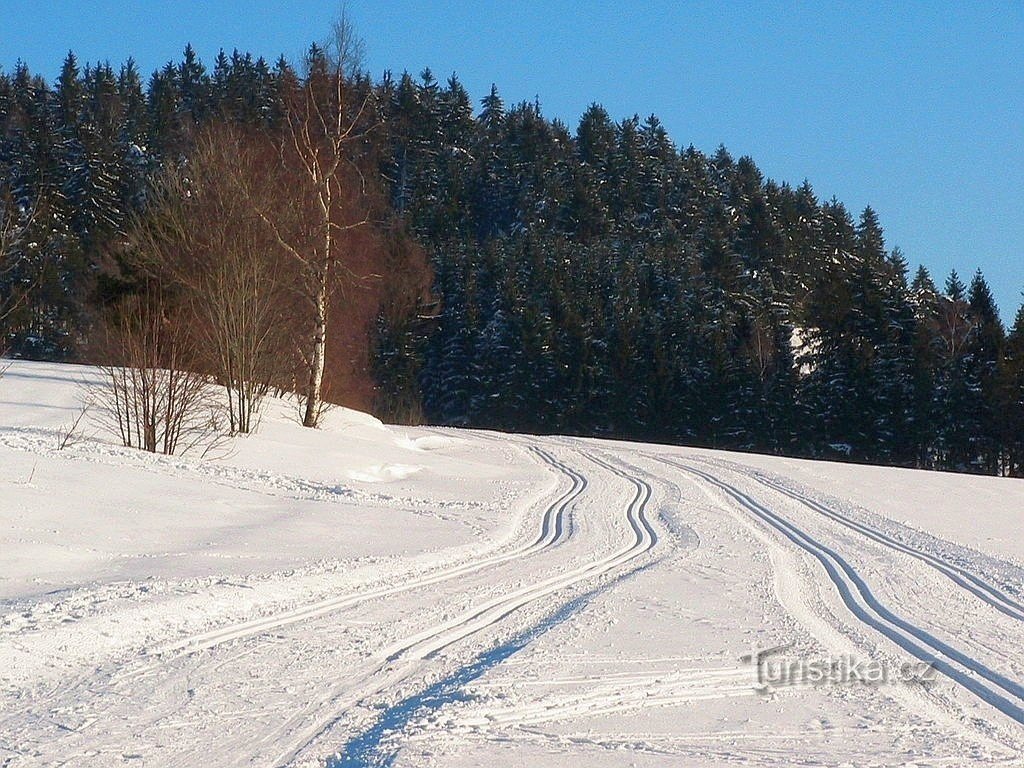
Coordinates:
<point>370,749</point>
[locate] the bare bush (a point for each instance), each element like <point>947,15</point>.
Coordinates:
<point>200,235</point>
<point>150,397</point>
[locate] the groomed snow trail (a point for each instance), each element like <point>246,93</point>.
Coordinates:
<point>973,583</point>
<point>400,661</point>
<point>551,533</point>
<point>557,713</point>
<point>507,600</point>
<point>993,687</point>
<point>422,625</point>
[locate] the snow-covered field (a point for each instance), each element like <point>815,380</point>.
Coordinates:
<point>372,595</point>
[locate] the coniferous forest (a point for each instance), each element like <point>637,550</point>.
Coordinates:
<point>498,269</point>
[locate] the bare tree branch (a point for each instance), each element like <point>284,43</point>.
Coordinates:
<point>317,156</point>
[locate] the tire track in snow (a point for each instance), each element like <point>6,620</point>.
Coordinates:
<point>920,644</point>
<point>977,586</point>
<point>400,661</point>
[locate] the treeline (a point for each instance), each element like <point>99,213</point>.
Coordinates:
<point>594,281</point>
<point>605,282</point>
<point>185,195</point>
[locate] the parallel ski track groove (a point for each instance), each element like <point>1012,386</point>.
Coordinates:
<point>877,616</point>
<point>551,533</point>
<point>429,643</point>
<point>963,578</point>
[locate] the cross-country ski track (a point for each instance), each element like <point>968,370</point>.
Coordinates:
<point>863,604</point>
<point>477,598</point>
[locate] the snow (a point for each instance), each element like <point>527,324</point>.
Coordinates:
<point>460,598</point>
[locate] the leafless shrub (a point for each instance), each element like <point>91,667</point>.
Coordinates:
<point>150,398</point>
<point>234,287</point>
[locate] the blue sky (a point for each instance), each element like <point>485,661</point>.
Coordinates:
<point>914,108</point>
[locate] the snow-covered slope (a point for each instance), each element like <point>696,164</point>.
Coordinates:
<point>369,595</point>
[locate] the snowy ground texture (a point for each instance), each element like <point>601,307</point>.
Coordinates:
<point>367,595</point>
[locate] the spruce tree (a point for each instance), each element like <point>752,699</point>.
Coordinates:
<point>984,353</point>
<point>954,402</point>
<point>1013,398</point>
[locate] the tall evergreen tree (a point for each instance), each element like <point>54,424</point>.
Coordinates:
<point>1013,398</point>
<point>984,353</point>
<point>596,281</point>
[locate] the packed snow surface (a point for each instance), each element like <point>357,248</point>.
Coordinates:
<point>366,595</point>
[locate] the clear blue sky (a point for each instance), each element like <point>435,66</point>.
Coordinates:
<point>914,108</point>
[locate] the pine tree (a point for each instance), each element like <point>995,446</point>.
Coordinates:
<point>70,96</point>
<point>95,182</point>
<point>133,138</point>
<point>953,400</point>
<point>928,350</point>
<point>455,161</point>
<point>133,101</point>
<point>194,87</point>
<point>166,137</point>
<point>595,146</point>
<point>1013,398</point>
<point>833,350</point>
<point>490,196</point>
<point>984,352</point>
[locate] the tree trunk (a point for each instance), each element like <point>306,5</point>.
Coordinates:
<point>314,387</point>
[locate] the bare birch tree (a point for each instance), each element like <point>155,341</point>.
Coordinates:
<point>320,150</point>
<point>345,49</point>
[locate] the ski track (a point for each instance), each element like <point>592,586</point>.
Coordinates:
<point>954,664</point>
<point>402,660</point>
<point>963,578</point>
<point>406,664</point>
<point>551,534</point>
<point>610,694</point>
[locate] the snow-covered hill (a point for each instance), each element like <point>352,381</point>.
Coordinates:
<point>374,595</point>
